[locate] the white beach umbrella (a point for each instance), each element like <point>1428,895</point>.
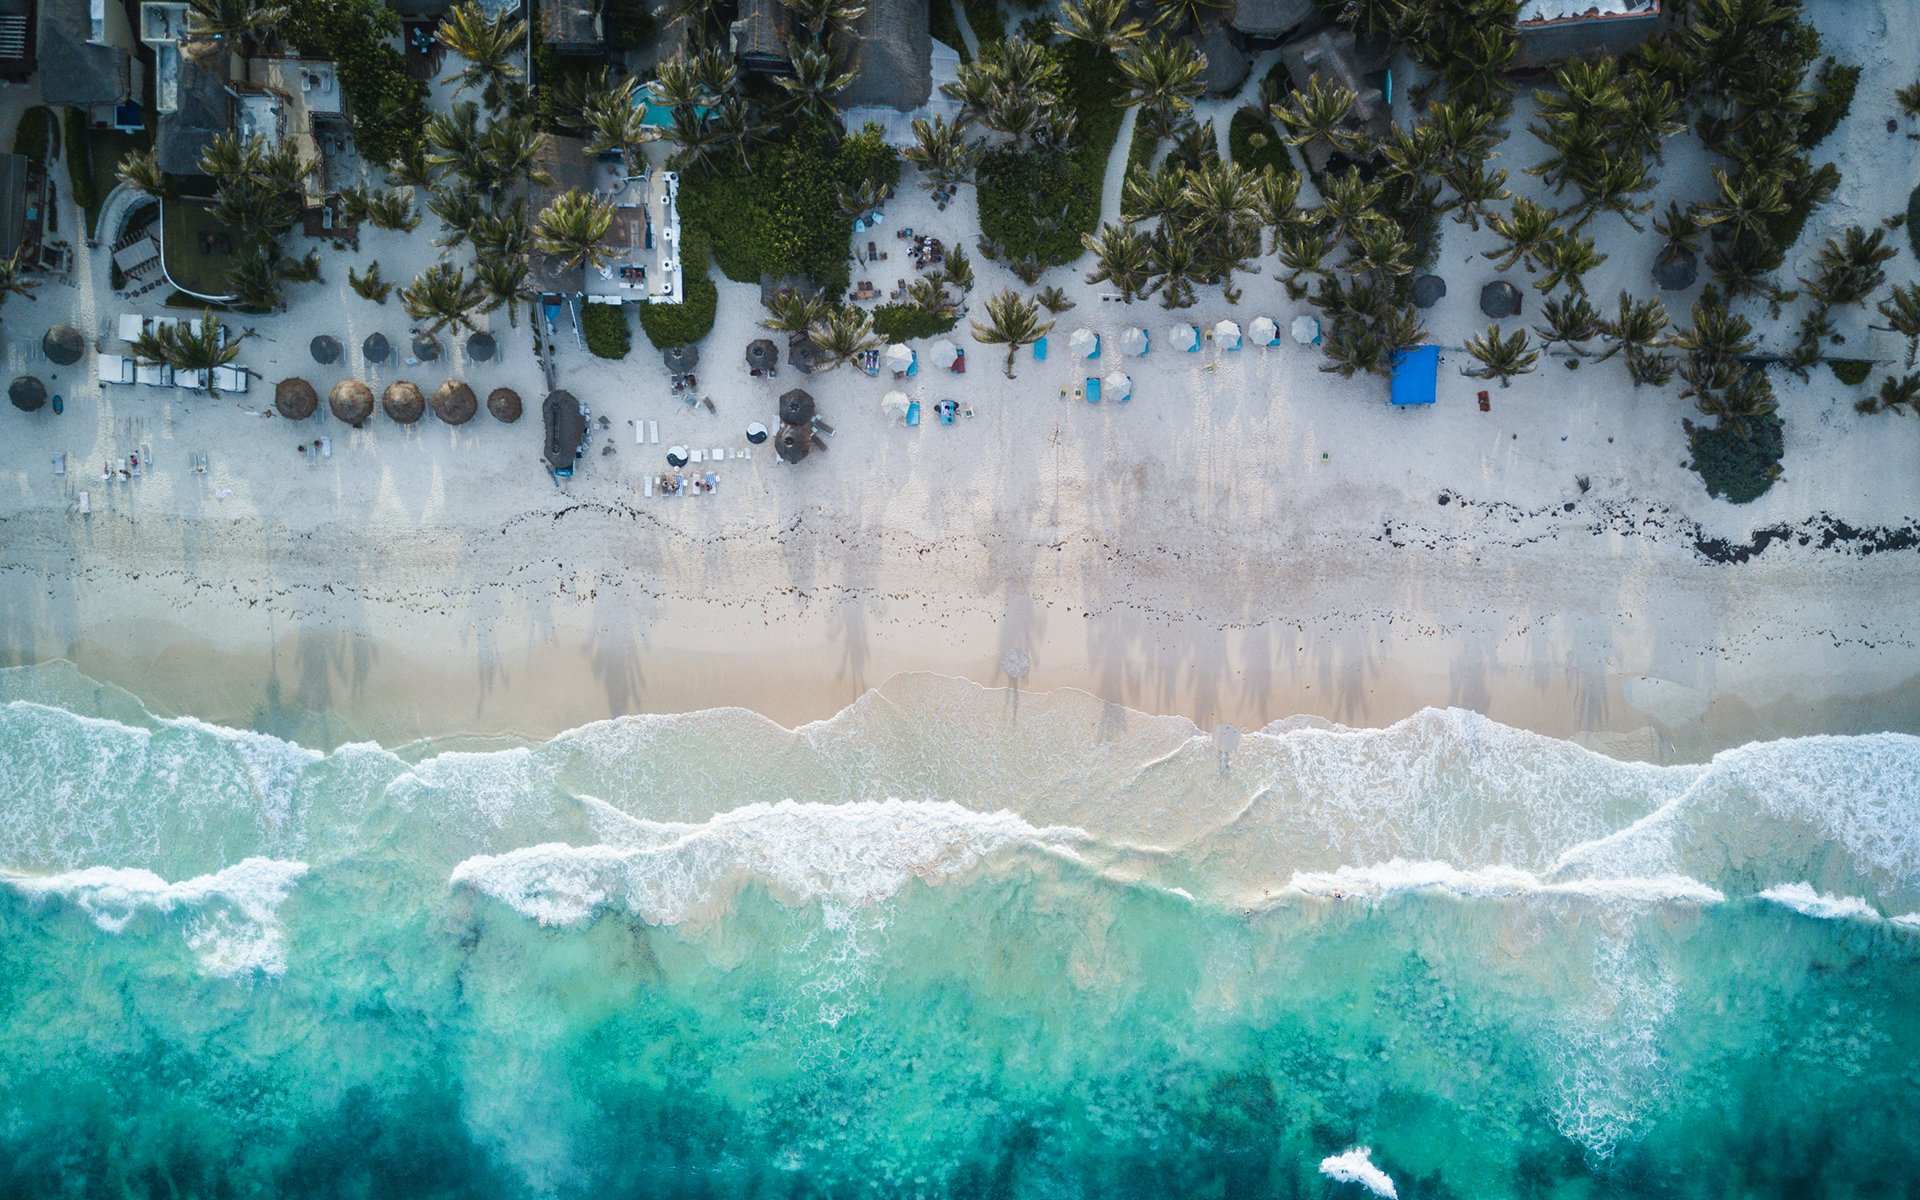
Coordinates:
<point>1084,342</point>
<point>897,357</point>
<point>1306,330</point>
<point>1133,340</point>
<point>894,405</point>
<point>1117,388</point>
<point>944,352</point>
<point>1263,331</point>
<point>1226,335</point>
<point>1183,337</point>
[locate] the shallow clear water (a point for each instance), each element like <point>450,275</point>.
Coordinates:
<point>951,943</point>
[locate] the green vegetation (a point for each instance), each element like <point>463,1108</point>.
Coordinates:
<point>1737,469</point>
<point>607,331</point>
<point>630,24</point>
<point>689,321</point>
<point>1141,149</point>
<point>385,104</point>
<point>945,27</point>
<point>1851,371</point>
<point>901,322</point>
<point>1254,143</point>
<point>199,247</point>
<point>80,164</point>
<point>104,150</point>
<point>784,217</point>
<point>34,135</point>
<point>1831,103</point>
<point>1913,221</point>
<point>983,17</point>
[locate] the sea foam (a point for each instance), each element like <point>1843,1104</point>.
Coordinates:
<point>1399,875</point>
<point>1802,898</point>
<point>231,916</point>
<point>1356,1166</point>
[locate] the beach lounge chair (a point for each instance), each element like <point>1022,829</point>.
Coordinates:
<point>1093,390</point>
<point>1040,350</point>
<point>913,365</point>
<point>913,414</point>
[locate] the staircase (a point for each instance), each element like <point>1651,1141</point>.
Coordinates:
<point>13,37</point>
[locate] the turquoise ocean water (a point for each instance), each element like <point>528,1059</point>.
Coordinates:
<point>952,942</point>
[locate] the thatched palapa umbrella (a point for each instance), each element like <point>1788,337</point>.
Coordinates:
<point>803,355</point>
<point>27,393</point>
<point>681,359</point>
<point>762,354</point>
<point>376,348</point>
<point>796,408</point>
<point>403,402</point>
<point>325,349</point>
<point>1427,291</point>
<point>504,404</point>
<point>64,345</point>
<point>453,402</point>
<point>1500,299</point>
<point>1676,273</point>
<point>295,399</point>
<point>480,347</point>
<point>425,348</point>
<point>351,401</point>
<point>793,442</point>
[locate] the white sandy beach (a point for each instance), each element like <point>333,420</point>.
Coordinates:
<point>1248,539</point>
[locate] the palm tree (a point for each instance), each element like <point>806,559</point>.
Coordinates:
<point>13,279</point>
<point>1909,99</point>
<point>393,209</point>
<point>1221,202</point>
<point>1162,77</point>
<point>1746,203</point>
<point>243,23</point>
<point>1638,329</point>
<point>1679,231</point>
<point>1176,15</point>
<point>1303,251</point>
<point>1850,267</point>
<point>844,334</point>
<point>1901,308</point>
<point>1380,248</point>
<point>1012,321</point>
<point>254,280</point>
<point>140,170</point>
<point>959,268</point>
<point>1176,265</point>
<point>1102,24</point>
<point>1570,319</point>
<point>789,311</point>
<point>1529,234</point>
<point>1277,197</point>
<point>1346,200</point>
<point>457,209</point>
<point>826,19</point>
<point>1152,195</point>
<point>443,298</point>
<point>942,152</point>
<point>1716,335</point>
<point>1352,347</point>
<point>616,123</point>
<point>1501,357</point>
<point>1896,392</point>
<point>1317,115</point>
<point>1474,188</point>
<point>813,85</point>
<point>1567,260</point>
<point>370,286</point>
<point>184,348</point>
<point>571,227</point>
<point>504,279</point>
<point>1054,300</point>
<point>1122,259</point>
<point>489,44</point>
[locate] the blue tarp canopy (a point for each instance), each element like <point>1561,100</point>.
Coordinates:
<point>1416,375</point>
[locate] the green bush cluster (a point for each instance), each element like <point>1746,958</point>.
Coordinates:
<point>607,331</point>
<point>945,27</point>
<point>630,24</point>
<point>1851,371</point>
<point>983,17</point>
<point>900,322</point>
<point>1254,141</point>
<point>34,135</point>
<point>1830,103</point>
<point>79,162</point>
<point>1037,203</point>
<point>784,218</point>
<point>1734,468</point>
<point>689,321</point>
<point>384,103</point>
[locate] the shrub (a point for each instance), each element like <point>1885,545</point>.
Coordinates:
<point>945,27</point>
<point>1851,371</point>
<point>1254,143</point>
<point>608,332</point>
<point>865,157</point>
<point>983,17</point>
<point>34,134</point>
<point>79,162</point>
<point>1830,103</point>
<point>630,24</point>
<point>899,322</point>
<point>383,101</point>
<point>1140,151</point>
<point>783,218</point>
<point>689,321</point>
<point>1736,469</point>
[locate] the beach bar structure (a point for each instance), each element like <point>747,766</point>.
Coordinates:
<point>1552,30</point>
<point>643,244</point>
<point>1416,376</point>
<point>566,427</point>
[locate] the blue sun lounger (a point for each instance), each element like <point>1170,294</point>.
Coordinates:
<point>1040,350</point>
<point>913,364</point>
<point>913,414</point>
<point>1093,390</point>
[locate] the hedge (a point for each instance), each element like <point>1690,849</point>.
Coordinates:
<point>384,103</point>
<point>1736,469</point>
<point>1830,103</point>
<point>607,331</point>
<point>1851,371</point>
<point>900,322</point>
<point>689,321</point>
<point>34,135</point>
<point>1254,142</point>
<point>79,161</point>
<point>983,17</point>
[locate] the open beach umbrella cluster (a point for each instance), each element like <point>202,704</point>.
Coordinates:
<point>1085,343</point>
<point>1306,330</point>
<point>897,358</point>
<point>943,353</point>
<point>1184,337</point>
<point>1226,335</point>
<point>1117,388</point>
<point>894,405</point>
<point>1134,341</point>
<point>1263,332</point>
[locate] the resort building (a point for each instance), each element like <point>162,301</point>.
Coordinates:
<point>758,37</point>
<point>897,68</point>
<point>1335,55</point>
<point>1551,30</point>
<point>85,59</point>
<point>297,102</point>
<point>643,245</point>
<point>190,99</point>
<point>563,160</point>
<point>572,26</point>
<point>23,208</point>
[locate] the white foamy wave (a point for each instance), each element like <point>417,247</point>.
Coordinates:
<point>842,855</point>
<point>1356,1166</point>
<point>1399,875</point>
<point>1907,920</point>
<point>232,922</point>
<point>1802,898</point>
<point>1612,1068</point>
